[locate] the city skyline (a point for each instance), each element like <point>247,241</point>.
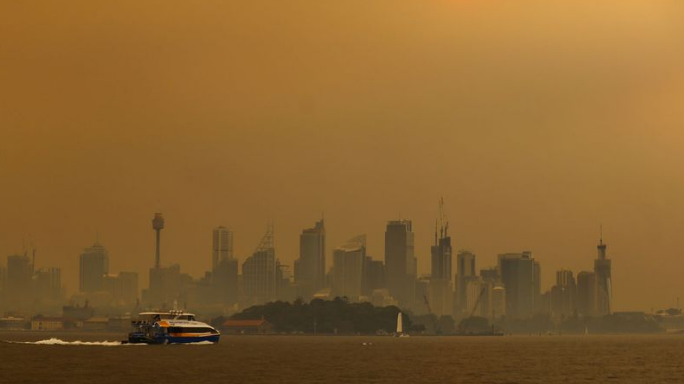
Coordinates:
<point>236,115</point>
<point>440,291</point>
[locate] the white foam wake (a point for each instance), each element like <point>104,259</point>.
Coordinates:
<point>55,341</point>
<point>199,343</point>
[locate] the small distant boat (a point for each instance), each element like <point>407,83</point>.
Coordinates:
<point>400,326</point>
<point>172,327</point>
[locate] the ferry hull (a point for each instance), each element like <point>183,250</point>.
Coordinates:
<point>144,339</point>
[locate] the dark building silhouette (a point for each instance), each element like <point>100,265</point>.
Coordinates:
<point>259,272</point>
<point>373,275</point>
<point>310,267</point>
<point>519,276</point>
<point>18,282</point>
<point>347,273</point>
<point>586,293</point>
<point>93,267</point>
<point>465,271</point>
<point>563,300</point>
<point>440,286</point>
<point>400,263</point>
<point>222,246</point>
<point>602,270</point>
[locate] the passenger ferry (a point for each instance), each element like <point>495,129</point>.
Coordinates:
<point>172,327</point>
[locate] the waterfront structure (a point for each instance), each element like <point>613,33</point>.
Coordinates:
<point>586,293</point>
<point>465,270</point>
<point>519,277</point>
<point>310,267</point>
<point>400,262</point>
<point>347,276</point>
<point>259,272</point>
<point>602,270</point>
<point>222,246</point>
<point>93,267</point>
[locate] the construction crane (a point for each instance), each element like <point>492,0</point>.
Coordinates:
<point>464,327</point>
<point>438,329</point>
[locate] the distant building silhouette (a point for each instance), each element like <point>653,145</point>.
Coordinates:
<point>519,275</point>
<point>586,293</point>
<point>348,263</point>
<point>47,284</point>
<point>19,275</point>
<point>441,288</point>
<point>465,271</point>
<point>222,246</point>
<point>259,272</point>
<point>563,299</point>
<point>602,270</point>
<point>123,287</point>
<point>165,282</point>
<point>400,262</point>
<point>373,275</point>
<point>94,266</point>
<point>310,267</point>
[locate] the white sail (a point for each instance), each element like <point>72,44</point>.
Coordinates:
<point>400,324</point>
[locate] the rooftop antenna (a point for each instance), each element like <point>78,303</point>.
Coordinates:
<point>601,234</point>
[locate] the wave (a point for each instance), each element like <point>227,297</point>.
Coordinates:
<point>55,341</point>
<point>199,343</point>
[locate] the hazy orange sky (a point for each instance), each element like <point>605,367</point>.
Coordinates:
<point>535,121</point>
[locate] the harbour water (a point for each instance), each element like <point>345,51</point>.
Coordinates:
<point>326,359</point>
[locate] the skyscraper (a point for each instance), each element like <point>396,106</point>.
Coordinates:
<point>564,294</point>
<point>310,267</point>
<point>94,266</point>
<point>465,271</point>
<point>441,288</point>
<point>222,246</point>
<point>259,272</point>
<point>18,282</point>
<point>400,263</point>
<point>517,271</point>
<point>348,263</point>
<point>586,293</point>
<point>602,270</point>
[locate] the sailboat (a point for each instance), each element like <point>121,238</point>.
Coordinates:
<point>400,326</point>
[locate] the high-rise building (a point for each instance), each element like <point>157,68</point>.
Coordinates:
<point>373,275</point>
<point>165,286</point>
<point>518,274</point>
<point>564,294</point>
<point>48,284</point>
<point>400,262</point>
<point>586,293</point>
<point>18,283</point>
<point>94,266</point>
<point>465,270</point>
<point>225,281</point>
<point>602,270</point>
<point>441,288</point>
<point>310,267</point>
<point>348,263</point>
<point>259,272</point>
<point>123,288</point>
<point>222,246</point>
